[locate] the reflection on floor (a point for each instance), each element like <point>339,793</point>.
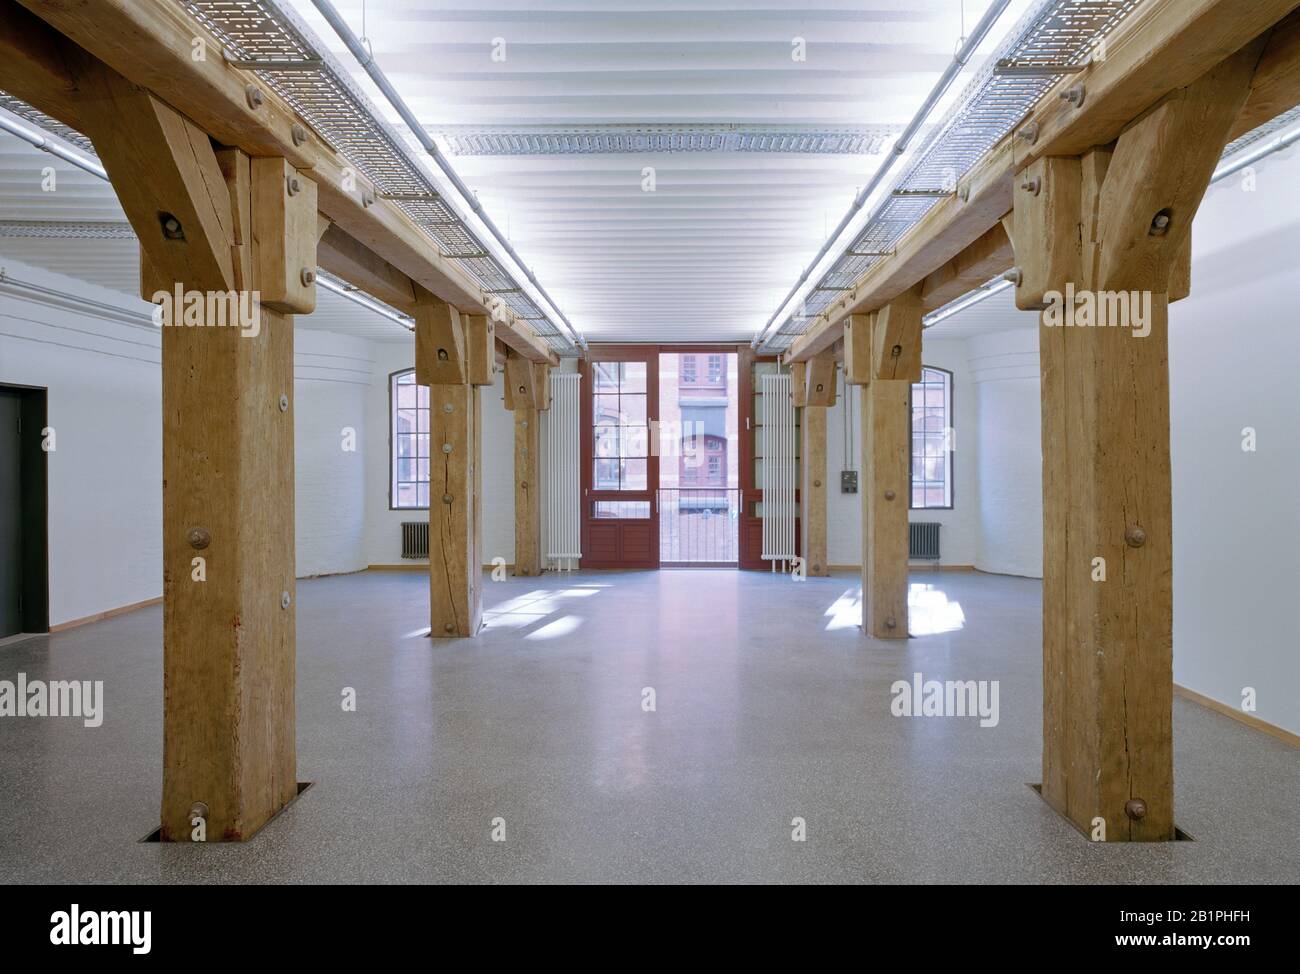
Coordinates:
<point>769,705</point>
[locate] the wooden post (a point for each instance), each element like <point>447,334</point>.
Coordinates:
<point>1109,224</point>
<point>813,491</point>
<point>885,446</point>
<point>441,362</point>
<point>886,451</point>
<point>528,384</point>
<point>218,228</point>
<point>528,508</point>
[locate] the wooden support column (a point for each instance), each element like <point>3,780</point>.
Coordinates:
<point>1109,231</point>
<point>819,395</point>
<point>527,386</point>
<point>886,440</point>
<point>217,229</point>
<point>441,362</point>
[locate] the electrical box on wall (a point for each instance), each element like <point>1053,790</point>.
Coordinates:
<point>848,481</point>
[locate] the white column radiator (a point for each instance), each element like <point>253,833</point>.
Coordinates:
<point>561,463</point>
<point>780,472</point>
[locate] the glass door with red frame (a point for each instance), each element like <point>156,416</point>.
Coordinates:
<point>620,523</point>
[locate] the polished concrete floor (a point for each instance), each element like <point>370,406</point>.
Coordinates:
<point>770,705</point>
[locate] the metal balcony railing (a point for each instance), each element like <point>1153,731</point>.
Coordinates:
<point>699,525</point>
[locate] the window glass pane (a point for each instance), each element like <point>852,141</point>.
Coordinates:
<point>634,475</point>
<point>633,377</point>
<point>605,376</point>
<point>931,417</point>
<point>606,442</point>
<point>409,468</point>
<point>633,410</point>
<point>636,441</point>
<point>606,475</point>
<point>621,509</point>
<point>605,409</point>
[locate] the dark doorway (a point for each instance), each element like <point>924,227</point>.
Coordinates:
<point>24,570</point>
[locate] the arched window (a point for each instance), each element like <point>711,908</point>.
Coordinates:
<point>408,442</point>
<point>932,439</point>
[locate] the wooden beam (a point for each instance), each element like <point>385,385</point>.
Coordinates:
<point>1275,88</point>
<point>1162,46</point>
<point>541,386</point>
<point>1107,511</point>
<point>528,507</point>
<point>521,383</point>
<point>480,342</point>
<point>228,472</point>
<point>439,342</point>
<point>820,389</point>
<point>896,345</point>
<point>812,503</point>
<point>285,229</point>
<point>32,65</point>
<point>799,384</point>
<point>168,182</point>
<point>455,591</point>
<point>1145,182</point>
<point>152,44</point>
<point>1045,222</point>
<point>886,448</point>
<point>984,259</point>
<point>857,348</point>
<point>361,267</point>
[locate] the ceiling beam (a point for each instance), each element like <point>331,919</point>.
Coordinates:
<point>151,43</point>
<point>1162,46</point>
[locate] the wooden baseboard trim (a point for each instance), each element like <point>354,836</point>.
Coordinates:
<point>1250,720</point>
<point>911,567</point>
<point>101,616</point>
<point>421,566</point>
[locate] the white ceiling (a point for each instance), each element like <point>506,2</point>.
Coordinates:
<point>709,254</point>
<point>712,251</point>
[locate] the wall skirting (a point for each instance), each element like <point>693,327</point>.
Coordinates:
<point>101,616</point>
<point>1250,720</point>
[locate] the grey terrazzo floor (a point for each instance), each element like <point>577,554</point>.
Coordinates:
<point>770,705</point>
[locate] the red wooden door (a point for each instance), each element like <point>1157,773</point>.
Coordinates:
<point>620,473</point>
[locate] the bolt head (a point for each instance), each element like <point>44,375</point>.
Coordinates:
<point>285,600</point>
<point>449,628</point>
<point>446,448</point>
<point>199,538</point>
<point>1135,808</point>
<point>253,95</point>
<point>1135,536</point>
<point>308,277</point>
<point>299,134</point>
<point>284,403</point>
<point>293,185</point>
<point>446,498</point>
<point>889,495</point>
